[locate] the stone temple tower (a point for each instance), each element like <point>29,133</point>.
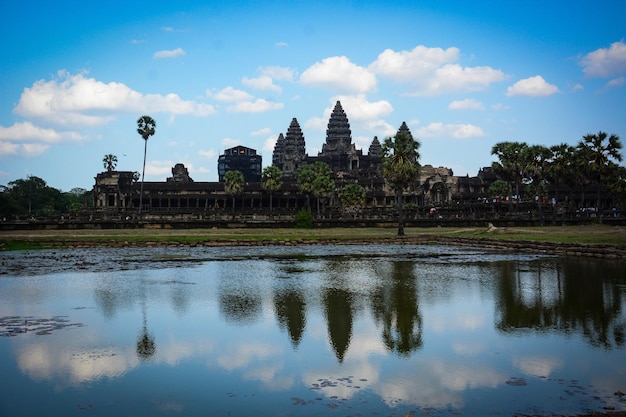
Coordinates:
<point>338,133</point>
<point>290,150</point>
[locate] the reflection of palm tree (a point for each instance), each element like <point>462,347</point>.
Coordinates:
<point>397,308</point>
<point>592,307</point>
<point>146,346</point>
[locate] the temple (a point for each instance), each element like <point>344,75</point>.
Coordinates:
<point>436,186</point>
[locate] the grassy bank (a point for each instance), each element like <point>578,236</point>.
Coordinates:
<point>22,239</point>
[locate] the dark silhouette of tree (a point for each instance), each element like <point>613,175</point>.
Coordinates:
<point>110,162</point>
<point>600,150</point>
<point>400,167</point>
<point>233,185</point>
<point>272,181</point>
<point>396,306</point>
<point>510,165</point>
<point>145,127</point>
<point>535,166</point>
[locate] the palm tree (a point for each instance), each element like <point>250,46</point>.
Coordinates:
<point>510,165</point>
<point>601,150</point>
<point>560,171</point>
<point>272,181</point>
<point>233,185</point>
<point>146,128</point>
<point>110,162</point>
<point>535,162</point>
<point>400,167</point>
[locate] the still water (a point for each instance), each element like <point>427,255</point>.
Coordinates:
<point>377,330</point>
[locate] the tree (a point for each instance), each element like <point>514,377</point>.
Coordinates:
<point>400,167</point>
<point>110,162</point>
<point>233,185</point>
<point>560,170</point>
<point>600,150</point>
<point>145,127</point>
<point>315,179</point>
<point>272,181</point>
<point>535,165</point>
<point>510,165</point>
<point>351,197</point>
<point>499,188</point>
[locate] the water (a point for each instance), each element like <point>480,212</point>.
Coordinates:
<point>377,330</point>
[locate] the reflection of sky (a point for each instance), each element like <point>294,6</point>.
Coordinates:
<point>462,352</point>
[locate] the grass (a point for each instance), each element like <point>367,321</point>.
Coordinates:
<point>26,239</point>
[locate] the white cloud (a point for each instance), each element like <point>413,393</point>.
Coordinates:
<point>34,149</point>
<point>162,168</point>
<point>8,148</point>
<point>263,82</point>
<point>28,131</point>
<point>605,63</point>
<point>578,87</point>
<point>262,132</point>
<point>500,106</point>
<point>466,104</point>
<point>173,53</point>
<point>230,94</point>
<point>432,71</point>
<point>456,131</point>
<point>359,108</point>
<point>278,73</point>
<point>208,154</point>
<point>338,73</point>
<point>230,142</point>
<point>77,100</point>
<point>26,138</point>
<point>532,87</point>
<point>281,44</point>
<point>257,106</point>
<point>616,82</point>
<point>269,144</point>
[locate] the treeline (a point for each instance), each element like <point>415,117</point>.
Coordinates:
<point>32,197</point>
<point>593,163</point>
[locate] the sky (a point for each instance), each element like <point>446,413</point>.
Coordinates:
<point>76,75</point>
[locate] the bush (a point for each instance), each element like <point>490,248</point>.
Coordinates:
<point>304,219</point>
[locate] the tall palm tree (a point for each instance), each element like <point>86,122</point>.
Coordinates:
<point>110,162</point>
<point>601,150</point>
<point>233,185</point>
<point>272,181</point>
<point>535,165</point>
<point>560,171</point>
<point>145,127</point>
<point>510,165</point>
<point>400,167</point>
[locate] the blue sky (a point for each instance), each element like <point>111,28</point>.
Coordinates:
<point>76,76</point>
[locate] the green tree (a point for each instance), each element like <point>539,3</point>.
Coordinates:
<point>499,188</point>
<point>33,196</point>
<point>315,179</point>
<point>145,127</point>
<point>600,150</point>
<point>351,197</point>
<point>233,185</point>
<point>400,167</point>
<point>510,164</point>
<point>110,162</point>
<point>272,181</point>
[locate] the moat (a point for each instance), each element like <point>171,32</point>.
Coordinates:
<point>337,330</point>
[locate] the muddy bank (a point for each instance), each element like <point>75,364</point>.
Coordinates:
<point>525,246</point>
